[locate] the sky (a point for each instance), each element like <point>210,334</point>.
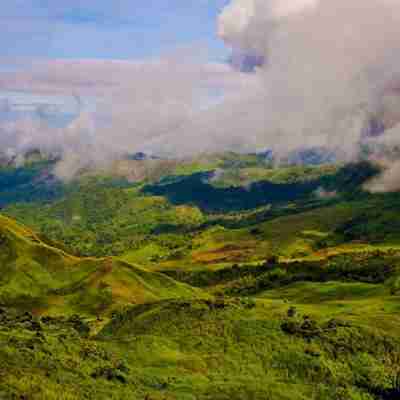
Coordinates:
<point>104,29</point>
<point>94,79</point>
<point>38,30</point>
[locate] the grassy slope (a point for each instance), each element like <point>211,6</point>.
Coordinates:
<point>320,322</point>
<point>103,216</point>
<point>41,278</point>
<point>100,219</point>
<point>314,234</point>
<point>223,349</point>
<point>299,330</point>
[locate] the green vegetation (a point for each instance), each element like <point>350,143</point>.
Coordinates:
<point>99,218</point>
<point>248,283</point>
<point>32,182</point>
<point>208,349</point>
<point>39,278</point>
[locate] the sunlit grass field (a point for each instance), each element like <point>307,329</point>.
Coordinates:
<point>119,288</point>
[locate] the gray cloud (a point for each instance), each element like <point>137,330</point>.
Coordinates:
<point>130,107</point>
<point>329,68</point>
<point>326,70</point>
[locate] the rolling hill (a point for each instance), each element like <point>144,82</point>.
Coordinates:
<point>113,289</point>
<point>40,278</point>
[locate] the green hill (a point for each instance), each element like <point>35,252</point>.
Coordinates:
<point>206,349</point>
<point>179,217</point>
<point>284,285</point>
<point>44,279</point>
<point>321,329</point>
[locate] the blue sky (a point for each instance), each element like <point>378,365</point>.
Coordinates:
<point>100,29</point>
<point>108,29</point>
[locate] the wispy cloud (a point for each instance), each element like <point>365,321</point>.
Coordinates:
<point>137,106</point>
<point>323,70</point>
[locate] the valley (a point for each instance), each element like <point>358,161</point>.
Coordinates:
<point>246,283</point>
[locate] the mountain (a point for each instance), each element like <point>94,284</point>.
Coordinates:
<point>213,278</point>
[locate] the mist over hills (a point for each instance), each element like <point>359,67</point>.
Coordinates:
<point>194,226</point>
<point>285,88</point>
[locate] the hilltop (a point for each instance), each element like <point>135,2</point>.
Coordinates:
<point>42,279</point>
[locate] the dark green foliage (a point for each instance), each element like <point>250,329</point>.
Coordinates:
<point>79,325</point>
<point>33,182</point>
<point>102,217</point>
<point>245,280</point>
<point>110,374</point>
<point>351,177</point>
<point>377,222</point>
<point>195,190</point>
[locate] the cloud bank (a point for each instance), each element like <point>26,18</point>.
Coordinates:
<point>122,107</point>
<point>330,77</point>
<point>320,73</point>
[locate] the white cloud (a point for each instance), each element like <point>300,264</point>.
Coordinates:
<point>328,66</point>
<point>139,106</point>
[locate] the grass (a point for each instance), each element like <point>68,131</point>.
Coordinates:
<point>296,299</point>
<point>173,221</point>
<point>98,220</point>
<point>41,278</point>
<point>142,334</point>
<point>314,293</point>
<point>245,176</point>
